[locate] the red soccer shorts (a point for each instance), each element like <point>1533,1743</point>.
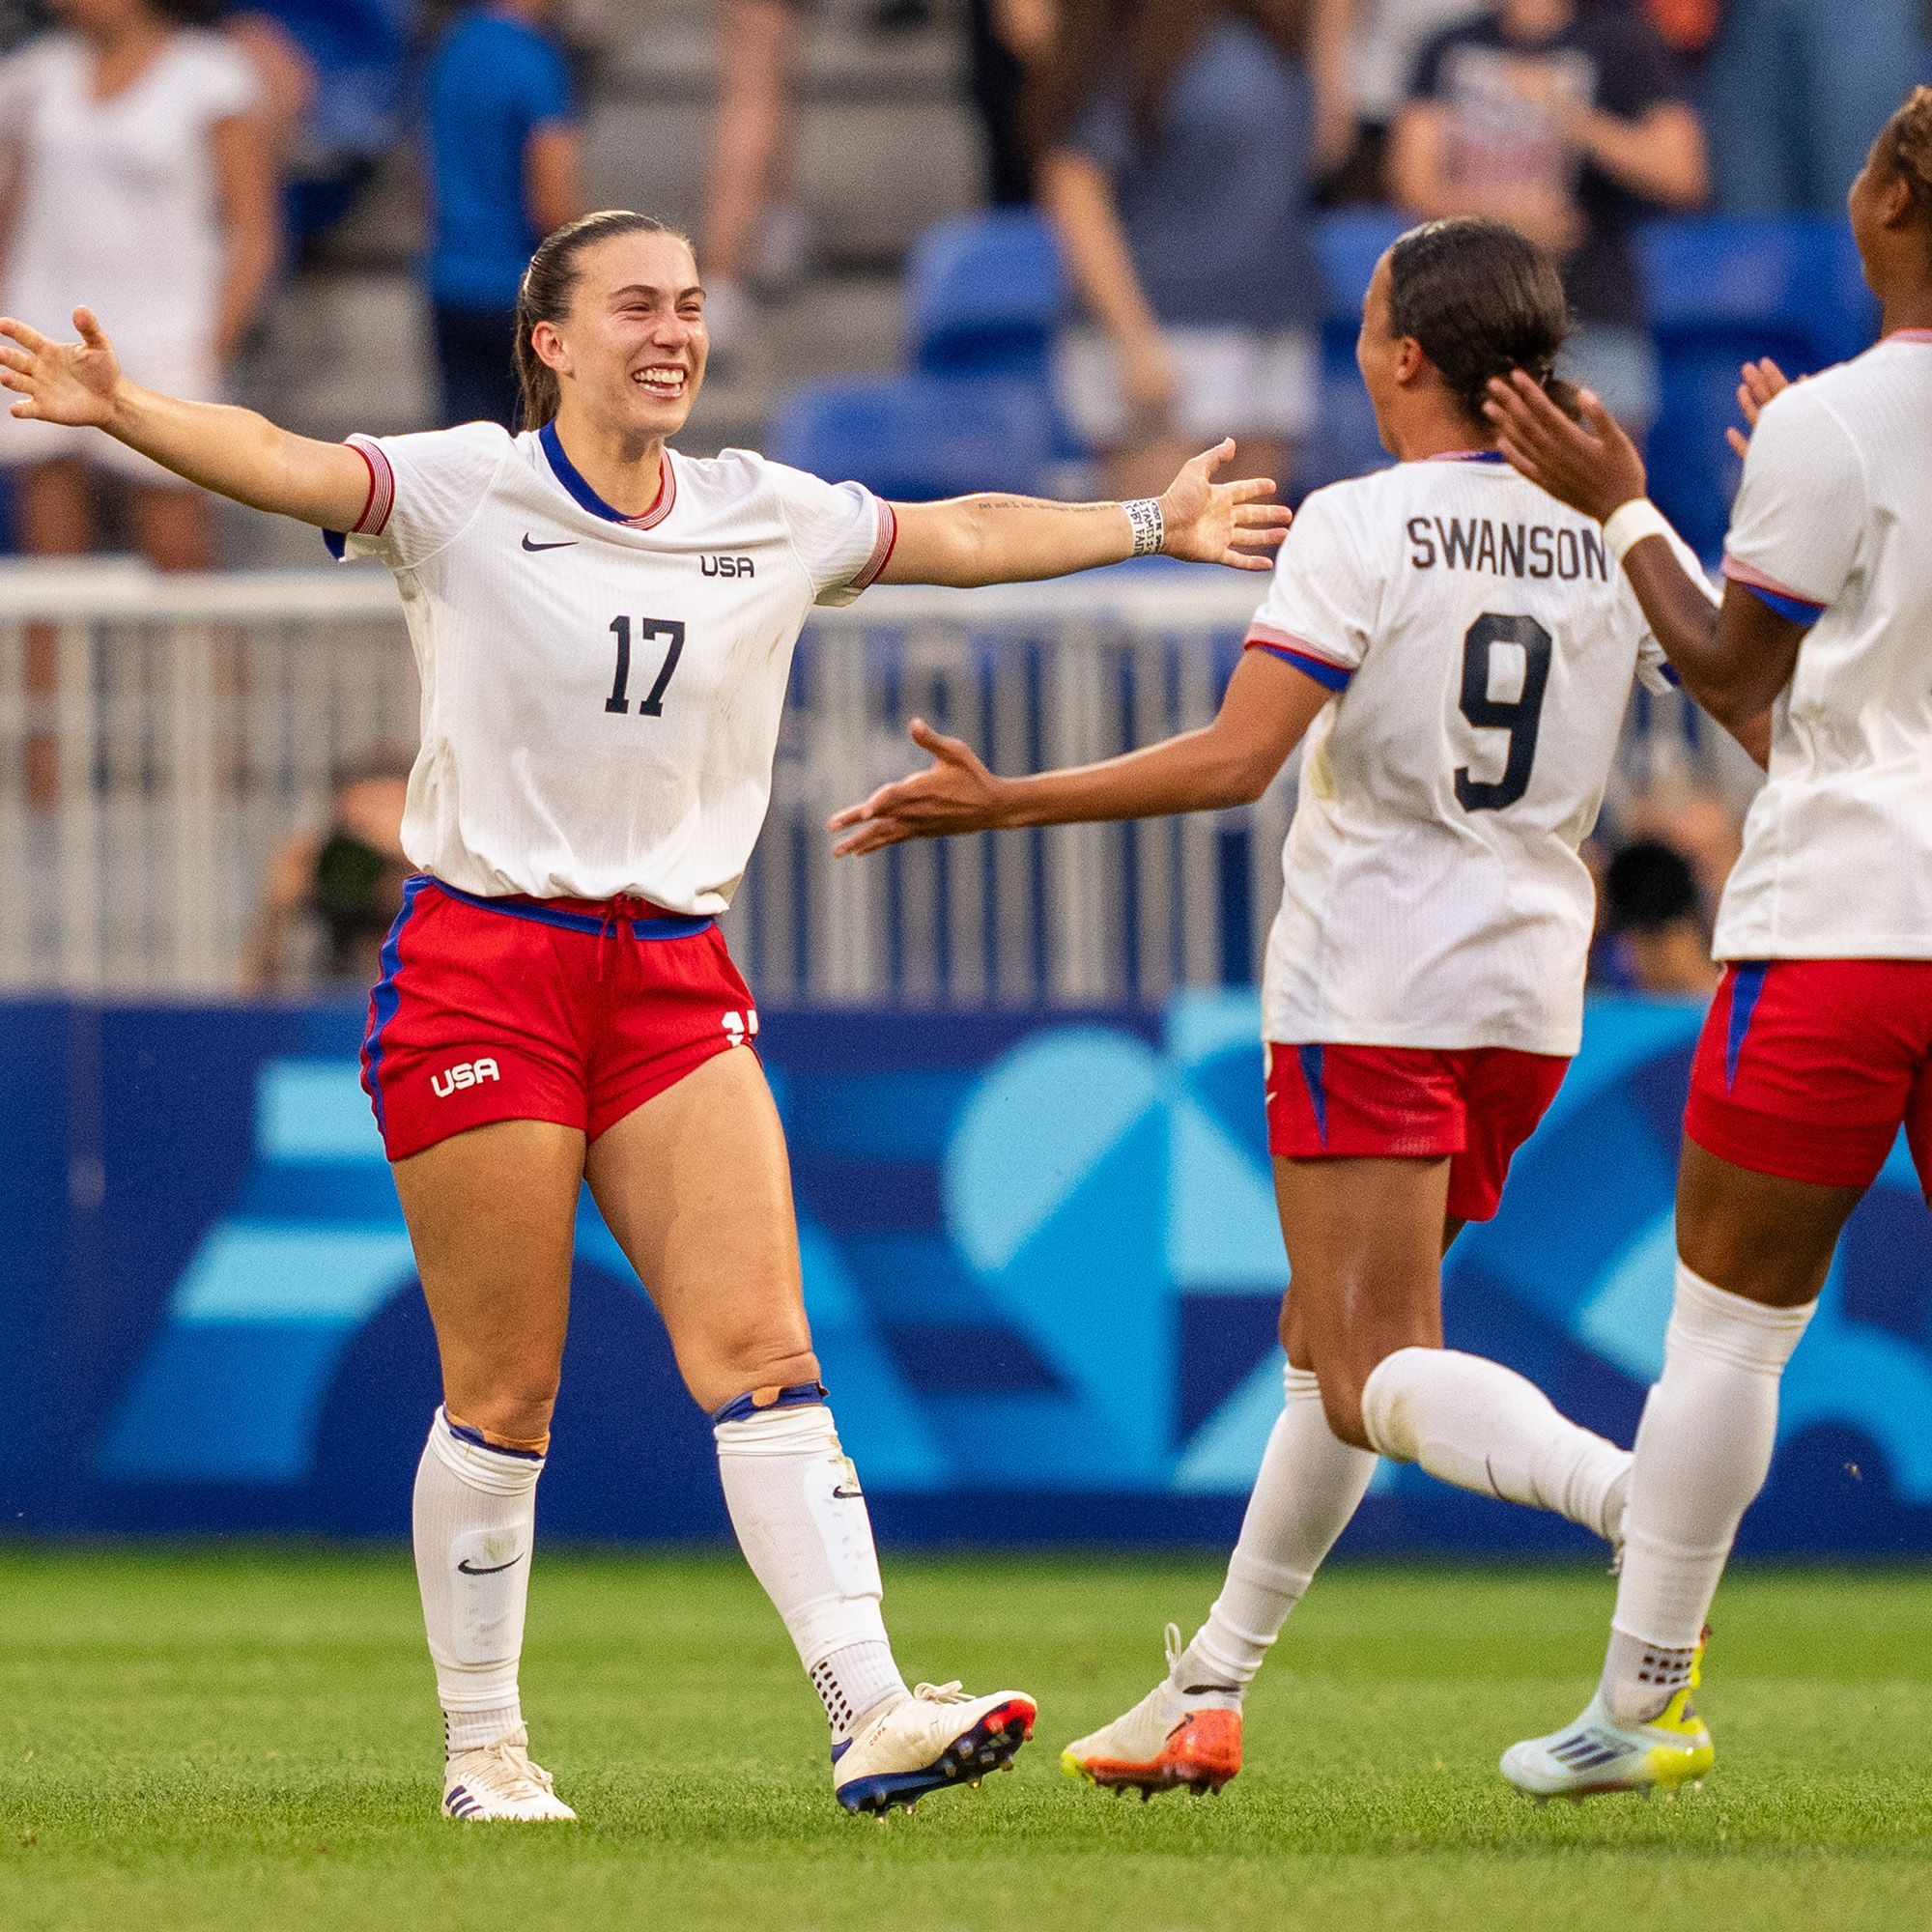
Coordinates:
<point>1475,1104</point>
<point>570,1010</point>
<point>1806,1068</point>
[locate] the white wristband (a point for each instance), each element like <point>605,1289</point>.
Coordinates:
<point>1624,530</point>
<point>1148,526</point>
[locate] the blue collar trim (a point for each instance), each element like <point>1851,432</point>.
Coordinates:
<point>572,479</point>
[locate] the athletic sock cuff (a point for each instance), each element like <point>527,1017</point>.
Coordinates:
<point>764,1401</point>
<point>481,1465</point>
<point>1382,1420</point>
<point>777,1432</point>
<point>1711,1322</point>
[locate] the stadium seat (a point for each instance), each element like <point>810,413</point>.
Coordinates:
<point>1349,244</point>
<point>984,293</point>
<point>1723,291</point>
<point>916,437</point>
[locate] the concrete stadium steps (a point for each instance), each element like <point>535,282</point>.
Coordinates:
<point>887,147</point>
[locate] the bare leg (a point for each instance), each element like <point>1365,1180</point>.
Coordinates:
<point>696,1189</point>
<point>750,158</point>
<point>175,528</point>
<point>491,1214</point>
<point>55,512</point>
<point>1365,1238</point>
<point>1365,1245</point>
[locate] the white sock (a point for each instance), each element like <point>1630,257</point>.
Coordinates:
<point>474,1521</point>
<point>1311,1483</point>
<point>1474,1423</point>
<point>801,1522</point>
<point>1703,1451</point>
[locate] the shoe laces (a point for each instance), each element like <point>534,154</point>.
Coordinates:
<point>941,1693</point>
<point>1171,1642</point>
<point>508,1765</point>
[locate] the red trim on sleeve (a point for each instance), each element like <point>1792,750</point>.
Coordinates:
<point>1753,578</point>
<point>883,545</point>
<point>1285,640</point>
<point>382,497</point>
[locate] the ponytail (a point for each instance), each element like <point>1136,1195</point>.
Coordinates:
<point>543,295</point>
<point>1481,300</point>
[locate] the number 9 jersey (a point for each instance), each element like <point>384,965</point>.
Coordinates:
<point>1480,645</point>
<point>601,693</point>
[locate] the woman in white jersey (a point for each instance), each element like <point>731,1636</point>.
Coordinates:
<point>604,629</point>
<point>1460,654</point>
<point>1819,1043</point>
<point>140,180</point>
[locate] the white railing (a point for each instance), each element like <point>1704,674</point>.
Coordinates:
<point>159,736</point>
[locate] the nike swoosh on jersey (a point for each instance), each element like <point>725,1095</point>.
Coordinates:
<point>563,543</point>
<point>469,1569</point>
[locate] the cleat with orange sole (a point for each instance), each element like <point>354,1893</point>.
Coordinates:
<point>1201,1753</point>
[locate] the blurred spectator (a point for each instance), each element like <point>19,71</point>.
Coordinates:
<point>1386,38</point>
<point>753,230</point>
<point>333,895</point>
<point>1007,40</point>
<point>1690,820</point>
<point>1569,119</point>
<point>347,59</point>
<point>139,183</point>
<point>1176,138</point>
<point>1657,932</point>
<point>505,162</point>
<point>1796,90</point>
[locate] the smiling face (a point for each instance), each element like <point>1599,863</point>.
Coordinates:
<point>629,353</point>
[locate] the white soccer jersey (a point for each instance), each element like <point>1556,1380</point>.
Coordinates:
<point>1482,646</point>
<point>601,693</point>
<point>1834,526</point>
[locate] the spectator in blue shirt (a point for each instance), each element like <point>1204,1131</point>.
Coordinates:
<point>505,165</point>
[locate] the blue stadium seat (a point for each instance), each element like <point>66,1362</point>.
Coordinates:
<point>916,437</point>
<point>1349,244</point>
<point>1723,291</point>
<point>984,294</point>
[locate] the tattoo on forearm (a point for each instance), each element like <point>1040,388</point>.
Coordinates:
<point>1037,504</point>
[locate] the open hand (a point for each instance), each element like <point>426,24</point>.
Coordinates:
<point>1592,466</point>
<point>1235,523</point>
<point>60,382</point>
<point>954,793</point>
<point>1762,381</point>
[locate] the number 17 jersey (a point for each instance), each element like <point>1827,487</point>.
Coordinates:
<point>601,693</point>
<point>1482,646</point>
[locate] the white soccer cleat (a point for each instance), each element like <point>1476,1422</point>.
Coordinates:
<point>1174,1735</point>
<point>935,1738</point>
<point>1596,1754</point>
<point>498,1782</point>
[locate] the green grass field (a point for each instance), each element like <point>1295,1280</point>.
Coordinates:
<point>212,1739</point>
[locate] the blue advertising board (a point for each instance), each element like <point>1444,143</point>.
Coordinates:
<point>1040,1258</point>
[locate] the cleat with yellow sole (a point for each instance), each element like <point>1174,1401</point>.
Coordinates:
<point>1594,1755</point>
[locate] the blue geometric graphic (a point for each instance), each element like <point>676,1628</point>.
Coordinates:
<point>1040,1258</point>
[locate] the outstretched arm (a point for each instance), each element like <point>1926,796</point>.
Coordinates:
<point>1734,658</point>
<point>975,540</point>
<point>1268,707</point>
<point>233,452</point>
